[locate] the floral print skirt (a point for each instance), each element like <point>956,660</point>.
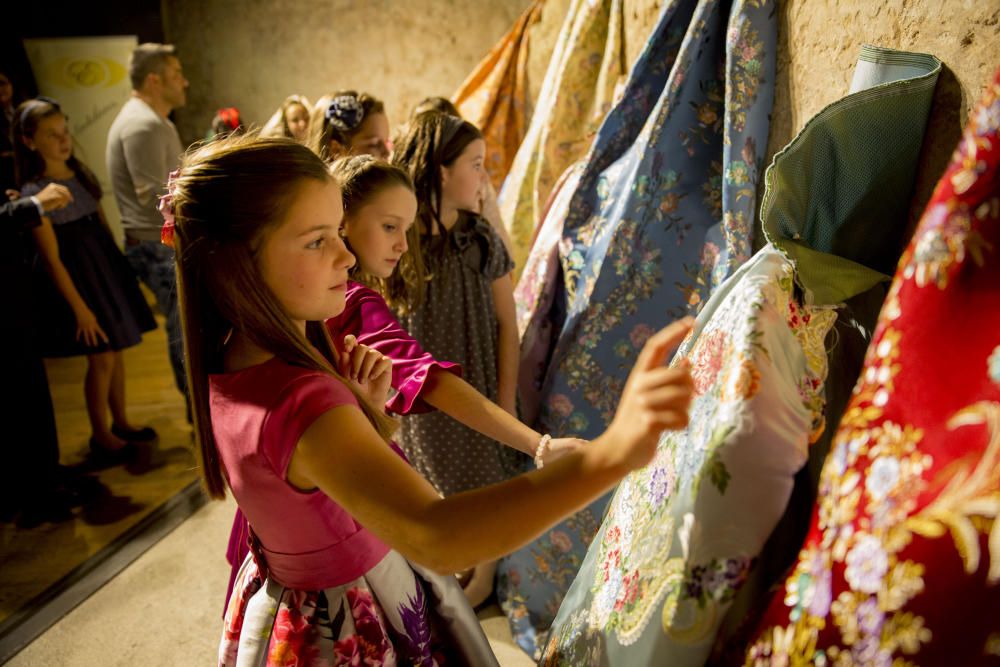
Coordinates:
<point>396,614</point>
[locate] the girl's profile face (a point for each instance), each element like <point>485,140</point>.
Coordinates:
<point>372,137</point>
<point>461,182</point>
<point>304,261</point>
<point>51,139</point>
<point>297,118</point>
<point>377,230</point>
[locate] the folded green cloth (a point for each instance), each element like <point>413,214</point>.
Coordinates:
<point>836,198</point>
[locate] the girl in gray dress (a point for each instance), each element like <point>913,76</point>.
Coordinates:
<point>453,292</point>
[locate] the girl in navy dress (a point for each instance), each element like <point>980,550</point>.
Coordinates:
<point>91,305</point>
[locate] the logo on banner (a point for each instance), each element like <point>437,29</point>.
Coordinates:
<point>76,73</point>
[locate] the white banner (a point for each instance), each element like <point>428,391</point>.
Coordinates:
<point>88,76</point>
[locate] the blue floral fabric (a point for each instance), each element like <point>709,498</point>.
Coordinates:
<point>662,214</point>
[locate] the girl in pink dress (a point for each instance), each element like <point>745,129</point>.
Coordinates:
<point>379,209</point>
<point>352,549</point>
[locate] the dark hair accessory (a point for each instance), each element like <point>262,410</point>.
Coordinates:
<point>32,104</point>
<point>345,113</point>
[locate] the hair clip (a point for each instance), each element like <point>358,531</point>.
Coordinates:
<point>167,209</point>
<point>345,113</point>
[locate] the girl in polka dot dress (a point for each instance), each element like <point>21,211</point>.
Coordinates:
<point>453,292</point>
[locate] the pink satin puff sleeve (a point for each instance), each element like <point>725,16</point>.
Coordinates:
<point>368,318</point>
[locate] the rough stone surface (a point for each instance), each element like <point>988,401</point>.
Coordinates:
<point>254,53</point>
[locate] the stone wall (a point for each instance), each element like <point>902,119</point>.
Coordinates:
<point>253,53</point>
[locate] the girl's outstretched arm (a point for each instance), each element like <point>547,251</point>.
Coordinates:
<point>342,455</point>
<point>459,400</point>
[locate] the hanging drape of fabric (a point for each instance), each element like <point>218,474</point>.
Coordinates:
<point>661,214</point>
<point>842,224</point>
<point>587,64</point>
<point>534,296</point>
<point>682,536</point>
<point>902,561</point>
<point>495,97</point>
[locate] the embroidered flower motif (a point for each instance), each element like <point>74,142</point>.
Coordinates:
<point>821,593</point>
<point>640,334</point>
<point>561,541</point>
<point>867,564</point>
<point>669,203</point>
<point>561,405</point>
<point>707,114</point>
<point>661,483</point>
<point>737,173</point>
<point>709,356</point>
<point>941,244</point>
<point>882,477</point>
<point>870,617</point>
<point>987,118</point>
<point>743,381</point>
<point>604,602</point>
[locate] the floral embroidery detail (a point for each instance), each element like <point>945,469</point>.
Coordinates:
<point>867,564</point>
<point>708,119</point>
<point>940,246</point>
<point>707,359</point>
<point>746,70</point>
<point>560,405</point>
<point>881,489</point>
<point>636,230</point>
<point>712,191</point>
<point>637,567</point>
<point>973,491</point>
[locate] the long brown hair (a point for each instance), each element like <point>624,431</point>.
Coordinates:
<point>322,131</point>
<point>228,195</point>
<point>433,140</point>
<point>361,178</point>
<point>29,165</point>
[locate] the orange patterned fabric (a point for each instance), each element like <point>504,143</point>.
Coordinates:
<point>588,64</point>
<point>495,99</point>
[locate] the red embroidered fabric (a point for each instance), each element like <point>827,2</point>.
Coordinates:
<point>902,561</point>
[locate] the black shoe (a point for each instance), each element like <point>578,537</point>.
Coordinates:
<point>106,456</point>
<point>144,434</point>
